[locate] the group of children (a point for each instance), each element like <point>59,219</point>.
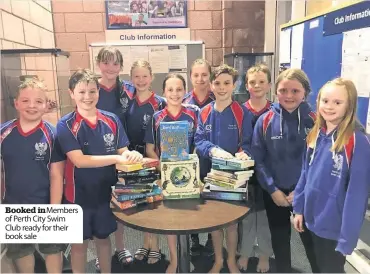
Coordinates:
<point>306,163</point>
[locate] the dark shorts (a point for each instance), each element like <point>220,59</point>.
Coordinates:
<point>98,222</point>
<point>17,251</point>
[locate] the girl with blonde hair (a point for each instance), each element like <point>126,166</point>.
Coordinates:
<point>332,193</point>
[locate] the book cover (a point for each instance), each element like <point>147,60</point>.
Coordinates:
<point>181,179</point>
<point>146,163</point>
<point>174,141</point>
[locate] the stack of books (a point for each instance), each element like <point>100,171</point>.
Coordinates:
<point>228,179</point>
<point>138,186</point>
<point>179,169</point>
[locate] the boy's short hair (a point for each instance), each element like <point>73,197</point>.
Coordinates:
<point>82,75</point>
<point>259,68</point>
<point>224,69</point>
<point>34,82</point>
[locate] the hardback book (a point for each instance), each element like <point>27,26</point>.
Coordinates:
<point>144,164</point>
<point>180,180</point>
<point>234,162</point>
<point>174,141</point>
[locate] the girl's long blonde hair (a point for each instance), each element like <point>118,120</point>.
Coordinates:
<point>349,123</point>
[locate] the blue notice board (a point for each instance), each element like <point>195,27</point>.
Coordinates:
<point>322,48</point>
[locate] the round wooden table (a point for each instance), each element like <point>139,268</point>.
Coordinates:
<point>182,218</point>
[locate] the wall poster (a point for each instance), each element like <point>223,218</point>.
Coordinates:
<point>145,14</point>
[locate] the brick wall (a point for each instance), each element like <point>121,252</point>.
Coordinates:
<point>27,24</point>
<point>24,22</point>
<point>77,24</point>
<point>225,26</point>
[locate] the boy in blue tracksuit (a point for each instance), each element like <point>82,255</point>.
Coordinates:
<point>332,193</point>
<point>277,146</point>
<point>224,130</point>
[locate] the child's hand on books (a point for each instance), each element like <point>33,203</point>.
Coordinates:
<point>280,199</point>
<point>132,156</point>
<point>220,153</point>
<point>242,156</point>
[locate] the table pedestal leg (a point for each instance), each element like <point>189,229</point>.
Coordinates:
<point>183,256</point>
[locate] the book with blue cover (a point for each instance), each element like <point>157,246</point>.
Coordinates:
<point>174,141</point>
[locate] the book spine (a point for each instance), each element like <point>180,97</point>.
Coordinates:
<point>134,174</point>
<point>227,196</point>
<point>138,180</point>
<point>123,205</point>
<point>218,183</point>
<point>131,190</point>
<point>150,164</point>
<point>235,164</point>
<point>134,186</point>
<point>126,196</point>
<point>220,189</point>
<point>226,168</point>
<point>219,161</point>
<point>222,179</point>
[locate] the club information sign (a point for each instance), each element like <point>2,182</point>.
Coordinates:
<point>41,224</point>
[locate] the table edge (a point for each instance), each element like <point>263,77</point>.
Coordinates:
<point>182,232</point>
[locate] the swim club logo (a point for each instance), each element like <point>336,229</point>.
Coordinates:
<point>208,128</point>
<point>191,126</point>
<point>124,104</point>
<point>338,165</point>
<point>146,119</point>
<point>40,150</point>
<point>109,141</point>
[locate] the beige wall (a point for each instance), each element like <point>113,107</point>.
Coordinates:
<point>26,24</point>
<point>77,24</point>
<point>224,26</point>
<point>319,6</point>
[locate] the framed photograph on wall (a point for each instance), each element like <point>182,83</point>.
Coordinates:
<point>146,14</point>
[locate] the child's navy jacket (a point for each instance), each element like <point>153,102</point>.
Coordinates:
<point>278,145</point>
